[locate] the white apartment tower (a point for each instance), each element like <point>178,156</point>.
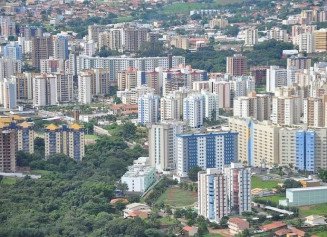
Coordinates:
<point>194,110</point>
<point>251,36</point>
<point>163,144</point>
<point>148,108</point>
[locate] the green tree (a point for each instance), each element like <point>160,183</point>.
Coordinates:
<point>193,173</point>
<point>291,183</point>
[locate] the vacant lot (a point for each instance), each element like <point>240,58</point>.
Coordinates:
<point>319,209</point>
<point>178,197</point>
<point>90,136</point>
<point>257,182</point>
<point>7,180</point>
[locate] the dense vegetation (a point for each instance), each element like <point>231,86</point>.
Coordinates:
<point>215,61</point>
<point>71,199</point>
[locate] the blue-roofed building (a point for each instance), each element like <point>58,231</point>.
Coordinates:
<point>13,51</point>
<point>305,150</point>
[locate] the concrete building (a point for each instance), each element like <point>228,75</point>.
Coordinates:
<point>296,197</point>
<point>84,87</point>
<point>218,22</point>
<point>223,90</point>
<point>259,74</point>
<point>320,39</point>
<point>286,110</point>
<point>276,77</point>
<point>221,193</point>
<point>52,65</point>
<point>42,48</point>
<point>140,176</point>
<point>314,112</point>
<point>60,47</point>
<point>256,106</point>
<point>238,188</point>
<point>258,142</point>
<point>127,79</point>
<point>193,110</point>
<point>163,144</point>
<point>134,38</point>
<point>306,42</point>
<point>213,195</point>
<point>68,140</point>
<point>9,67</point>
<point>25,137</point>
<point>211,105</point>
<point>277,34</point>
<point>13,51</point>
<point>237,225</point>
<point>251,36</point>
<point>44,90</point>
<point>236,65</point>
<point>8,93</point>
<point>8,148</point>
<point>148,108</point>
<point>299,62</point>
<point>116,64</point>
<point>206,150</point>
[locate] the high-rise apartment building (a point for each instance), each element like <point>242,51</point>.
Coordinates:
<point>299,62</point>
<point>193,110</point>
<point>236,65</point>
<point>134,38</point>
<point>221,193</point>
<point>163,144</point>
<point>276,77</point>
<point>13,51</point>
<point>314,110</point>
<point>60,47</point>
<point>148,108</point>
<point>25,137</point>
<point>223,90</point>
<point>84,87</point>
<point>42,48</point>
<point>44,90</point>
<point>286,110</point>
<point>7,26</point>
<point>277,34</point>
<point>8,93</point>
<point>9,67</point>
<point>24,85</point>
<point>251,36</point>
<point>206,150</point>
<point>320,39</point>
<point>127,79</point>
<point>213,194</point>
<point>68,140</point>
<point>238,188</point>
<point>8,147</point>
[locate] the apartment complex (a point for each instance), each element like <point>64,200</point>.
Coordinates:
<point>236,65</point>
<point>221,193</point>
<point>206,150</point>
<point>68,140</point>
<point>163,144</point>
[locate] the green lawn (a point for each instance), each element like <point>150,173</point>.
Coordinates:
<point>178,197</point>
<point>168,221</point>
<point>212,235</point>
<point>257,182</point>
<point>7,180</point>
<point>90,136</point>
<point>274,199</point>
<point>41,172</point>
<point>319,233</point>
<point>184,8</point>
<point>320,209</point>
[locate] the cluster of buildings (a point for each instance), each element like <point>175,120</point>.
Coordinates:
<point>16,134</point>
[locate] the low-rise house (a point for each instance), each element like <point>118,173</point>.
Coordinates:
<point>237,225</point>
<point>123,200</point>
<point>315,220</point>
<point>274,226</point>
<point>190,230</point>
<point>136,209</point>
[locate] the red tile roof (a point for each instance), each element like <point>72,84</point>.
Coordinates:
<point>237,220</point>
<point>271,226</point>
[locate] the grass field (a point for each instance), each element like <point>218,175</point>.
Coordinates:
<point>184,8</point>
<point>7,180</point>
<point>257,182</point>
<point>319,233</point>
<point>178,197</point>
<point>168,221</point>
<point>212,235</point>
<point>41,172</point>
<point>274,199</point>
<point>90,136</point>
<point>320,209</point>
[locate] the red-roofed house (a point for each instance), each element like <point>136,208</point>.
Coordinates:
<point>237,225</point>
<point>273,226</point>
<point>190,230</point>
